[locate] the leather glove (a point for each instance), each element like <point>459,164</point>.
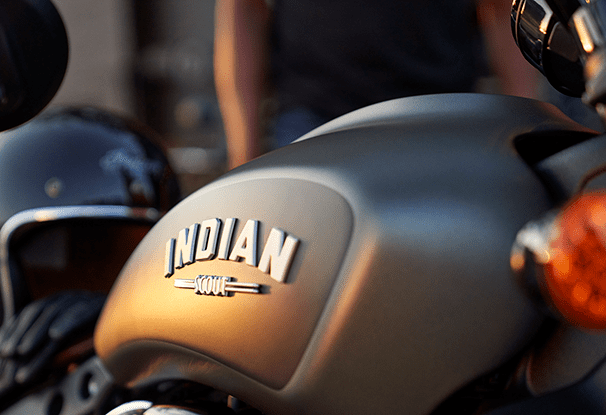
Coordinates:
<point>32,339</point>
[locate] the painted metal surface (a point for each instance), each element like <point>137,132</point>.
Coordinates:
<point>405,211</point>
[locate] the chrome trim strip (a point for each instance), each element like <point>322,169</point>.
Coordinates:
<point>55,213</point>
<point>170,410</point>
<point>214,285</point>
<point>185,283</point>
<point>131,408</point>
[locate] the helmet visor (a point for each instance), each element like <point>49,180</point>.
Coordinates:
<point>75,254</point>
<point>48,251</point>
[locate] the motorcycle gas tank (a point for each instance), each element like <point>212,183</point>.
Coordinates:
<point>380,245</point>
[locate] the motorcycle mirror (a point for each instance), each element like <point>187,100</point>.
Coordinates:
<point>33,58</point>
<point>548,45</point>
<point>564,9</point>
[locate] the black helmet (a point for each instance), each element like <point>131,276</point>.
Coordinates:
<point>78,190</point>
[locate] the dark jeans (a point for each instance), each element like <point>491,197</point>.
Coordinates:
<point>294,123</point>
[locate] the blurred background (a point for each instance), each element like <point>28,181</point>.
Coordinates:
<point>151,60</point>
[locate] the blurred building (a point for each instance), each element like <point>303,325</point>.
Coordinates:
<point>152,60</point>
<point>101,48</point>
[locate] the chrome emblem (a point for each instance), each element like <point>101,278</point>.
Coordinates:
<point>220,286</point>
<point>212,239</point>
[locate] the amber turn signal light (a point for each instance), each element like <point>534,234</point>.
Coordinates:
<point>575,265</point>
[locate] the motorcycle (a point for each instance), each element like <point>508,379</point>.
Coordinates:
<point>427,255</point>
